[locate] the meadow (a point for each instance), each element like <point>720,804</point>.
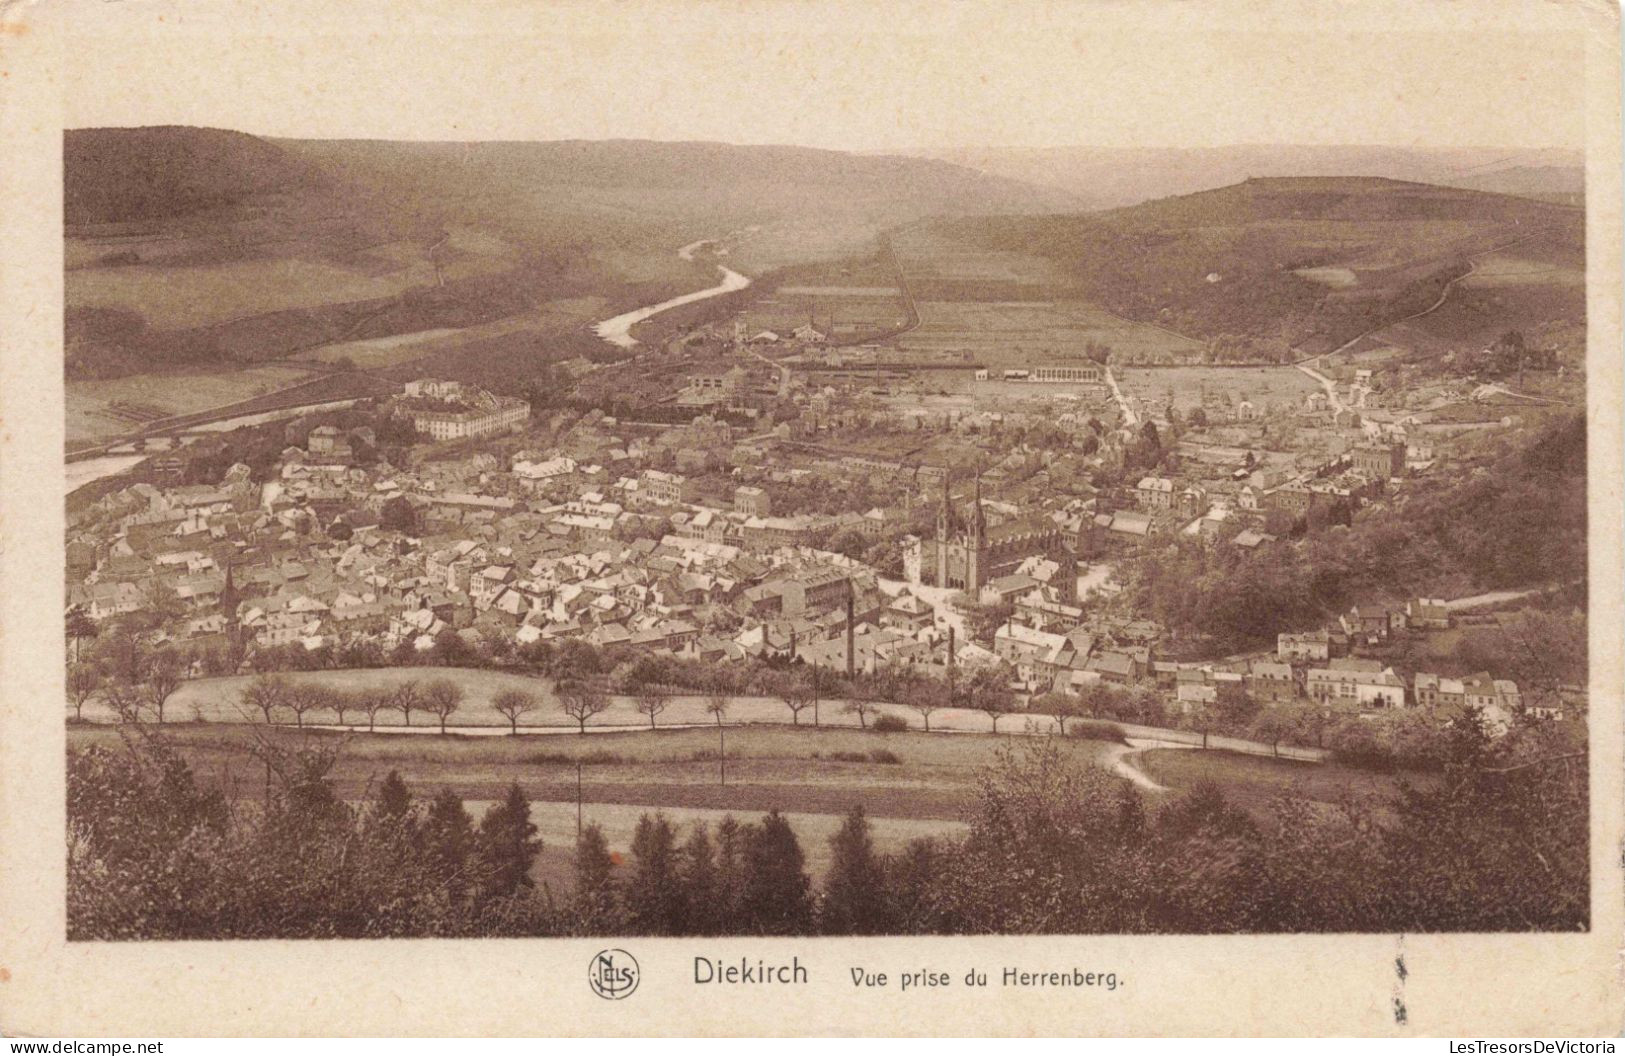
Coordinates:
<point>1261,385</point>
<point>184,297</point>
<point>1004,334</point>
<point>1258,783</point>
<point>113,406</point>
<point>910,784</point>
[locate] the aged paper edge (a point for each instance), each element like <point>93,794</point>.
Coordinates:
<point>1229,985</point>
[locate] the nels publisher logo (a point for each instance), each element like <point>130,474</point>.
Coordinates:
<point>613,974</point>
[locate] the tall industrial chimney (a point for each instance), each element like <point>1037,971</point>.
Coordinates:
<point>850,651</point>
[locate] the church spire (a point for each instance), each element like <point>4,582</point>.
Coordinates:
<point>978,524</point>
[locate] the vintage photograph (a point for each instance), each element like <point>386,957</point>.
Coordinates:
<point>802,471</point>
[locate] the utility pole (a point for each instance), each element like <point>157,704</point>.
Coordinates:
<point>578,799</point>
<point>722,753</point>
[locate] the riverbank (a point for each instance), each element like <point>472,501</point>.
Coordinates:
<point>618,329</point>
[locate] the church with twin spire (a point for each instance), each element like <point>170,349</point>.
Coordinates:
<point>968,553</point>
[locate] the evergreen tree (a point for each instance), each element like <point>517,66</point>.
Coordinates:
<point>777,893</point>
<point>732,841</point>
<point>700,884</point>
<point>448,841</point>
<point>910,879</point>
<point>507,844</point>
<point>596,910</point>
<point>855,897</point>
<point>394,800</point>
<point>654,898</point>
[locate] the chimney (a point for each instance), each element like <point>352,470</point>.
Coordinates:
<point>850,653</point>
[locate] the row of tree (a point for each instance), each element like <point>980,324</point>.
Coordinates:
<point>1542,651</point>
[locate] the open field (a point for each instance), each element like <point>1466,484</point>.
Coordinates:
<point>844,313</point>
<point>930,257</point>
<point>625,775</point>
<point>378,351</point>
<point>1254,782</point>
<point>564,313</point>
<point>783,766</point>
<point>1474,316</point>
<point>1004,334</point>
<point>1008,308</point>
<point>958,391</point>
<point>113,406</point>
<point>1336,278</point>
<point>175,298</point>
<point>1510,269</point>
<point>1261,385</point>
<point>795,241</point>
<point>315,391</point>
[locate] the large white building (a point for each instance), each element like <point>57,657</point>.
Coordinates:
<point>1089,374</point>
<point>664,489</point>
<point>1364,683</point>
<point>450,410</point>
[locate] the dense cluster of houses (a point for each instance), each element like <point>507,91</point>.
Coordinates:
<point>328,552</point>
<point>1060,648</point>
<point>586,540</point>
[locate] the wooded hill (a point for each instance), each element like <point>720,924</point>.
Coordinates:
<point>1230,261</point>
<point>283,244</point>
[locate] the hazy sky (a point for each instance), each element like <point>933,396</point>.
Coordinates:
<point>875,76</point>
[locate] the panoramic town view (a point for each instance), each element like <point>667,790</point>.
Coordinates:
<point>627,537</point>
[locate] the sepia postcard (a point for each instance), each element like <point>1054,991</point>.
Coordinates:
<point>1083,517</point>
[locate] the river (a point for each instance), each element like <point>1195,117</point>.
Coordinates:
<point>76,475</point>
<point>618,331</point>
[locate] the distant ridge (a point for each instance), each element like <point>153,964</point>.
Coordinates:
<point>123,174</point>
<point>1230,262</point>
<point>114,174</point>
<point>1112,177</point>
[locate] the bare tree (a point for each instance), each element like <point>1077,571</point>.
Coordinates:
<point>716,705</point>
<point>441,698</point>
<point>83,682</point>
<point>1067,707</point>
<point>406,698</point>
<point>303,698</point>
<point>372,702</point>
<point>265,694</point>
<point>820,683</point>
<point>512,703</point>
<point>926,696</point>
<point>1062,707</point>
<point>990,694</point>
<point>340,701</point>
<point>581,700</point>
<point>163,679</point>
<point>863,696</point>
<point>651,701</point>
<point>797,693</point>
